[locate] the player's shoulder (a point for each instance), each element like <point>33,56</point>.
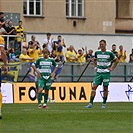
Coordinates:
<point>50,59</point>
<point>98,51</point>
<point>40,58</point>
<point>109,51</point>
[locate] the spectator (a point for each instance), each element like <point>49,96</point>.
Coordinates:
<point>80,56</point>
<point>3,31</point>
<point>59,48</point>
<point>34,50</point>
<point>71,54</point>
<point>54,56</point>
<point>33,39</point>
<point>11,30</point>
<point>49,42</point>
<point>20,33</point>
<point>8,55</point>
<point>89,56</point>
<point>131,57</point>
<point>24,45</point>
<point>24,57</point>
<point>114,50</point>
<point>2,20</point>
<point>12,55</point>
<point>17,53</point>
<point>122,54</point>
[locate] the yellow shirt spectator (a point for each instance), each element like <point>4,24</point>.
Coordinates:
<point>60,53</point>
<point>35,55</point>
<point>24,58</point>
<point>20,32</point>
<point>81,58</point>
<point>122,56</point>
<point>71,56</point>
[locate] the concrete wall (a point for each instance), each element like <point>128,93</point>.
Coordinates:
<point>99,17</point>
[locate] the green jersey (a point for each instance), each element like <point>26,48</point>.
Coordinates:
<point>104,60</point>
<point>45,66</point>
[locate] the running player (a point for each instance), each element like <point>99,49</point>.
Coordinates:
<point>102,64</point>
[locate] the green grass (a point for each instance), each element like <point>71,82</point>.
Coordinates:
<point>67,118</point>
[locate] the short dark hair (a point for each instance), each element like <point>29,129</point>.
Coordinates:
<point>45,50</point>
<point>32,36</point>
<point>79,50</point>
<point>48,34</point>
<point>114,45</point>
<point>19,21</point>
<point>59,35</point>
<point>103,41</point>
<point>30,42</point>
<point>1,13</point>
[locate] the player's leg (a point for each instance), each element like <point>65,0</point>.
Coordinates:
<point>93,93</point>
<point>106,79</point>
<point>97,81</point>
<point>0,97</point>
<point>40,97</point>
<point>47,88</point>
<point>36,84</point>
<point>40,89</point>
<point>105,95</point>
<point>45,98</point>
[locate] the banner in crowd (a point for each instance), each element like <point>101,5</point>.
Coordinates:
<point>12,75</point>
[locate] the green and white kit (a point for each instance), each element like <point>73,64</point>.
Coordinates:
<point>44,67</point>
<point>104,61</point>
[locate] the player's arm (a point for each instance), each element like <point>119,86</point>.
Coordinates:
<point>3,57</point>
<point>95,61</point>
<point>115,62</point>
<point>34,67</point>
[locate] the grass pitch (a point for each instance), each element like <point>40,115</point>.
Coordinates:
<point>67,118</point>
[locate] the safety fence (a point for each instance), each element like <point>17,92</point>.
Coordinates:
<point>72,71</point>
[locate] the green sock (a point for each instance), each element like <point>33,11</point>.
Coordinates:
<point>39,98</point>
<point>104,100</point>
<point>91,99</point>
<point>45,98</point>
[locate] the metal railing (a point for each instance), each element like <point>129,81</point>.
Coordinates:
<point>71,72</point>
<point>7,39</point>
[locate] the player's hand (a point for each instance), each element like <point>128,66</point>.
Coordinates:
<point>38,73</point>
<point>5,69</point>
<point>95,68</point>
<point>110,68</point>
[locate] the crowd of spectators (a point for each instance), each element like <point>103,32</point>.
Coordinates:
<point>19,50</point>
